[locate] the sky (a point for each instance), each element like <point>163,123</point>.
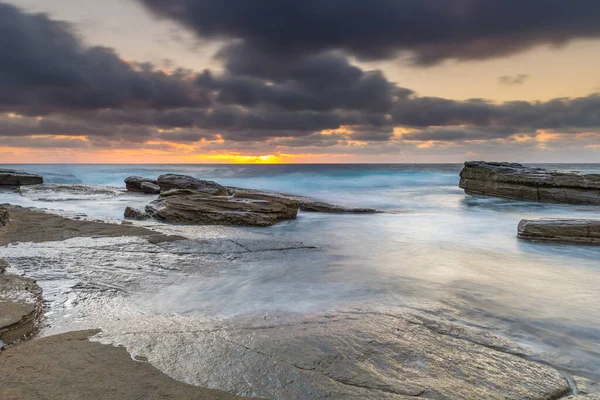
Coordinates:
<point>287,81</point>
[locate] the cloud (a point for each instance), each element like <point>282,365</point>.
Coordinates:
<point>430,30</point>
<point>60,93</point>
<point>44,68</point>
<point>513,80</point>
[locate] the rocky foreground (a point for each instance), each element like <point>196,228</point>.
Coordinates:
<point>514,181</point>
<point>364,354</point>
<point>185,199</point>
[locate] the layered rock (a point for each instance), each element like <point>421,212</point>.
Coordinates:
<point>20,306</point>
<point>11,177</point>
<point>140,184</point>
<point>514,181</point>
<point>4,216</point>
<point>187,206</point>
<point>170,181</point>
<point>561,230</point>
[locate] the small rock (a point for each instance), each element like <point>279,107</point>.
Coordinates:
<point>585,385</point>
<point>561,230</point>
<point>150,188</point>
<point>134,213</point>
<point>134,183</point>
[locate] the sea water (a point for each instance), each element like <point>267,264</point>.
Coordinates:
<point>432,245</point>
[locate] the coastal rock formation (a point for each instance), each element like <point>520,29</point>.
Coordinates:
<point>4,216</point>
<point>20,306</point>
<point>561,230</point>
<point>134,213</point>
<point>134,183</point>
<point>170,181</point>
<point>187,206</point>
<point>307,204</point>
<point>514,181</point>
<point>10,177</point>
<point>69,366</point>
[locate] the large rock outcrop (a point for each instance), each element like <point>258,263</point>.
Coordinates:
<point>10,177</point>
<point>188,206</point>
<point>514,181</point>
<point>170,181</point>
<point>561,230</point>
<point>140,184</point>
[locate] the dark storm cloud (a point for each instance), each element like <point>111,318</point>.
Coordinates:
<point>280,91</point>
<point>554,114</point>
<point>316,82</point>
<point>44,68</point>
<point>513,80</point>
<point>432,30</point>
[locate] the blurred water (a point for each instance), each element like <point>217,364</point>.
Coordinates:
<point>435,245</point>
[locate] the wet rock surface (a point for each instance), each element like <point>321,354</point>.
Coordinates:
<point>10,177</point>
<point>366,355</point>
<point>561,230</point>
<point>514,181</point>
<point>20,306</point>
<point>94,275</point>
<point>65,192</point>
<point>171,181</point>
<point>186,206</point>
<point>69,366</point>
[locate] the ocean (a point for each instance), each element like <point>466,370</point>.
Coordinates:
<point>432,248</point>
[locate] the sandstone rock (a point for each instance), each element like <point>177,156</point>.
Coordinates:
<point>20,306</point>
<point>150,188</point>
<point>134,183</point>
<point>561,230</point>
<point>170,181</point>
<point>134,213</point>
<point>4,216</point>
<point>354,355</point>
<point>515,181</point>
<point>11,177</point>
<point>69,366</point>
<point>187,206</point>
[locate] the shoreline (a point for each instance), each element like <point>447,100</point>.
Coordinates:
<point>56,229</point>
